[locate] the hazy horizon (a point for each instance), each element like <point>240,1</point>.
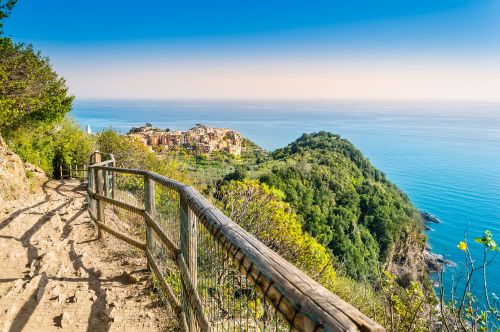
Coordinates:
<point>370,50</point>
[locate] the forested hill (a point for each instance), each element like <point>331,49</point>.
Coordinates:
<point>347,204</point>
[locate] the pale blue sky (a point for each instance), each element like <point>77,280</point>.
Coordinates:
<point>446,49</point>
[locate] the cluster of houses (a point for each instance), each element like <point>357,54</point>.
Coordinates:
<point>201,138</point>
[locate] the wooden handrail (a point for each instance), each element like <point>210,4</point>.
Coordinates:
<point>73,171</point>
<point>300,300</point>
<point>119,204</point>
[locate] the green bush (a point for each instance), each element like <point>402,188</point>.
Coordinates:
<point>31,92</point>
<point>50,145</point>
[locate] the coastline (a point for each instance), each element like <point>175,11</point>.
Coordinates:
<point>403,140</point>
<point>434,262</point>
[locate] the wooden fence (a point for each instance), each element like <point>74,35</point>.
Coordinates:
<point>214,274</point>
<point>73,171</point>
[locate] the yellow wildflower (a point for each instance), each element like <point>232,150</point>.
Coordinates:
<point>462,246</point>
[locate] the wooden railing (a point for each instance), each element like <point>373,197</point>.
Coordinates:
<point>73,171</point>
<point>214,274</point>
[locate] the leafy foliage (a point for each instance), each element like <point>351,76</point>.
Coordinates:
<point>31,92</point>
<point>208,171</point>
<point>467,307</point>
<point>261,210</point>
<point>343,201</point>
<point>252,153</point>
<point>5,9</point>
<point>34,100</point>
<point>50,145</point>
<point>406,309</point>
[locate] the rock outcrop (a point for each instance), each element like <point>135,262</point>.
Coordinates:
<point>407,260</point>
<point>13,181</point>
<point>37,177</point>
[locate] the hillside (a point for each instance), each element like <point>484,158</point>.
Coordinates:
<point>340,199</point>
<point>347,205</point>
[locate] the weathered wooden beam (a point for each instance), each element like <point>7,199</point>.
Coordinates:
<point>149,205</point>
<point>105,165</point>
<point>305,304</point>
<point>105,182</point>
<point>169,244</point>
<point>189,251</point>
<point>119,204</point>
<point>172,184</point>
<point>121,236</point>
<point>113,179</point>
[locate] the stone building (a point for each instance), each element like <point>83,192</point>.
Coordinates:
<point>200,138</point>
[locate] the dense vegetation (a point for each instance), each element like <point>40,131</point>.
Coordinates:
<point>50,145</point>
<point>34,101</point>
<point>261,210</point>
<point>343,201</point>
<point>32,92</point>
<point>207,171</point>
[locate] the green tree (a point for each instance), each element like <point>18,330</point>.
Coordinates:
<point>31,92</point>
<point>262,211</point>
<point>344,202</point>
<point>34,100</point>
<point>5,9</point>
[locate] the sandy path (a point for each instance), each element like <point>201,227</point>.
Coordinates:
<point>55,275</point>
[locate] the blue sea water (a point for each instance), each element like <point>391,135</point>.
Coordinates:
<point>445,156</point>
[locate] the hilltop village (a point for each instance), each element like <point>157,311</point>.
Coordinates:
<point>200,139</point>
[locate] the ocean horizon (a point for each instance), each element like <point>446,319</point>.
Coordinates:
<point>444,156</point>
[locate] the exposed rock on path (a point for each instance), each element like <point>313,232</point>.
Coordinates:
<point>55,275</point>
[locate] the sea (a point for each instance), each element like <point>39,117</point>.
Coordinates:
<point>445,156</point>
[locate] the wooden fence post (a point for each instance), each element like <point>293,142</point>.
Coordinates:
<point>60,172</point>
<point>190,252</point>
<point>100,205</point>
<point>149,205</point>
<point>113,181</point>
<point>90,188</point>
<point>105,187</point>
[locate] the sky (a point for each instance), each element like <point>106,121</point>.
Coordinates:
<point>336,49</point>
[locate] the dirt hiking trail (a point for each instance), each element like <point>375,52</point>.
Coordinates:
<point>55,275</point>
